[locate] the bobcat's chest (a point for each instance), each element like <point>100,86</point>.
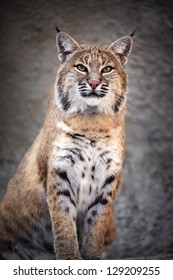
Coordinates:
<point>88,164</point>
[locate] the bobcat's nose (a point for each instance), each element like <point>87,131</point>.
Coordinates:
<point>94,83</point>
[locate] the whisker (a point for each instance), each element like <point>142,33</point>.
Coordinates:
<point>81,87</point>
<point>104,91</point>
<point>82,84</point>
<point>131,100</point>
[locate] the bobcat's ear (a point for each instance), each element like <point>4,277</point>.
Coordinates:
<point>66,46</point>
<point>122,47</point>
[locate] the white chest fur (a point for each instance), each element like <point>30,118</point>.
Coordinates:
<point>88,164</point>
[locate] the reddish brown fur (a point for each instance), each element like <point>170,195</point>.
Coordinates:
<point>23,204</point>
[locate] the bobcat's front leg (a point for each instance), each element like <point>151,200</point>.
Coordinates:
<point>95,228</point>
<point>62,207</point>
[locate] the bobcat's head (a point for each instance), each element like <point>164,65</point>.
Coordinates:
<point>91,78</point>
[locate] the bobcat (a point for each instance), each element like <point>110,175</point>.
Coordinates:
<point>60,201</point>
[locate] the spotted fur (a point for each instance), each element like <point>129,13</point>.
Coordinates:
<point>60,201</point>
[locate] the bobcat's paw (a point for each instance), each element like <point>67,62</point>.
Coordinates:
<point>93,258</point>
<point>74,258</point>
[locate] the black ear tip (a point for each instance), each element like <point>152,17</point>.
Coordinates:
<point>133,33</point>
<point>57,29</point>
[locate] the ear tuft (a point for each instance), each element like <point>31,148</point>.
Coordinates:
<point>66,46</point>
<point>122,47</point>
<point>133,33</point>
<point>57,29</point>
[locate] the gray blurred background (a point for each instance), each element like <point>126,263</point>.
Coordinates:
<point>28,65</point>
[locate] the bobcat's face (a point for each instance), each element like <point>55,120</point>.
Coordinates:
<point>91,79</point>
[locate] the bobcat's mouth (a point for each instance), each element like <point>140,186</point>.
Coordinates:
<point>93,94</point>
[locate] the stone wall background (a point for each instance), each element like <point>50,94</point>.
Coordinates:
<point>28,64</point>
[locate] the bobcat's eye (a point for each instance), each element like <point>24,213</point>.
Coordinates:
<point>107,69</point>
<point>81,68</point>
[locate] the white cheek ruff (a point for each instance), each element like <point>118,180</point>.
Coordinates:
<point>79,104</point>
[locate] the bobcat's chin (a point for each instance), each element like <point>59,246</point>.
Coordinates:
<point>93,98</point>
<point>92,101</point>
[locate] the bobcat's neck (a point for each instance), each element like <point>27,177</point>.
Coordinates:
<point>85,123</point>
